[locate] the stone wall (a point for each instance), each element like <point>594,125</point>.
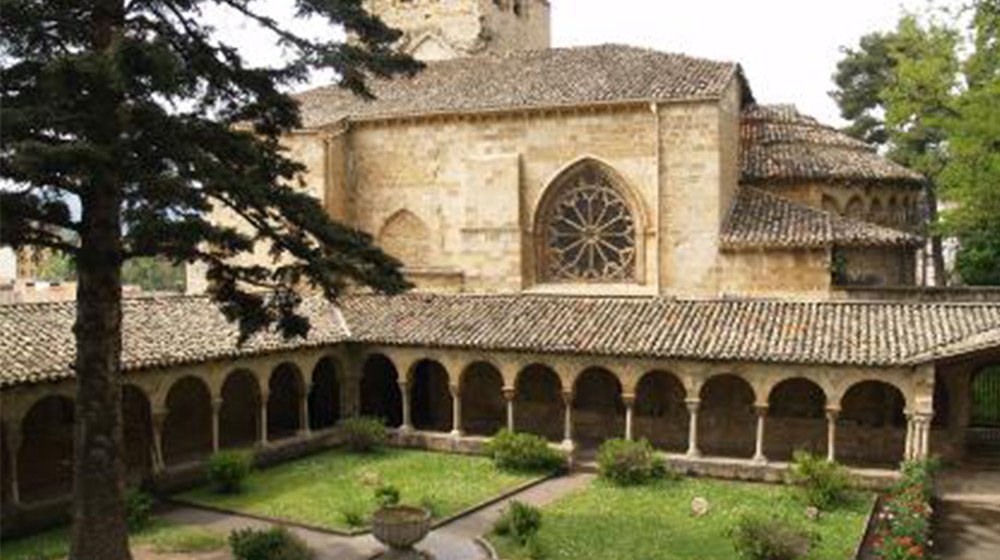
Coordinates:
<point>788,272</point>
<point>877,266</point>
<point>437,30</point>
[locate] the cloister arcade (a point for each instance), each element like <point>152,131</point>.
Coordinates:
<point>745,413</point>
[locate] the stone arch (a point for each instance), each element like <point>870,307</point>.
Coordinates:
<point>893,212</point>
<point>661,415</point>
<point>830,204</point>
<point>407,238</point>
<point>796,419</point>
<point>598,408</point>
<point>726,419</point>
<point>430,397</point>
<point>483,406</point>
<point>239,414</point>
<point>589,226</point>
<point>324,395</point>
<point>286,387</point>
<point>984,389</point>
<point>855,208</point>
<point>872,425</point>
<point>137,425</point>
<point>538,403</point>
<point>876,213</point>
<point>380,394</point>
<point>45,460</point>
<point>187,429</point>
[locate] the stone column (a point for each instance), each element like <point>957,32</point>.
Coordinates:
<point>264,397</point>
<point>693,405</point>
<point>922,436</point>
<point>508,395</point>
<point>567,397</point>
<point>216,409</point>
<point>758,455</point>
<point>159,417</point>
<point>14,440</point>
<point>456,411</point>
<point>304,430</point>
<point>832,414</point>
<point>629,401</point>
<point>910,448</point>
<point>404,390</point>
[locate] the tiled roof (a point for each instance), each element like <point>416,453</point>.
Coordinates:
<point>527,79</point>
<point>36,341</point>
<point>779,144</point>
<point>762,220</point>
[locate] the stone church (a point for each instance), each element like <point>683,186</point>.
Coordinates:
<point>607,241</point>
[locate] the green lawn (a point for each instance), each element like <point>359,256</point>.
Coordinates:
<point>161,536</point>
<point>603,522</point>
<point>318,490</point>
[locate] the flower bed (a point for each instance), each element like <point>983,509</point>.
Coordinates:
<point>904,522</point>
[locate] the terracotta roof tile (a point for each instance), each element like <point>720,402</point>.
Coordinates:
<point>779,144</point>
<point>762,220</point>
<point>527,79</point>
<point>36,339</point>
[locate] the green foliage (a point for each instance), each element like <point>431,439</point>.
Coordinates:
<point>228,470</point>
<point>904,522</point>
<point>154,274</point>
<point>353,515</point>
<point>824,483</point>
<point>363,435</point>
<point>138,510</point>
<point>387,496</point>
<point>519,521</point>
<point>524,452</point>
<point>56,266</point>
<point>271,544</point>
<point>759,537</point>
<point>433,506</point>
<point>629,462</point>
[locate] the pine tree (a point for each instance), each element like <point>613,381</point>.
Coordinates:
<point>139,113</point>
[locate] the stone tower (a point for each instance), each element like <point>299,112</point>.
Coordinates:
<point>443,29</point>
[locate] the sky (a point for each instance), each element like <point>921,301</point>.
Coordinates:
<point>788,48</point>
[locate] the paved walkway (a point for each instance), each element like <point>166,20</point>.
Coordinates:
<point>454,541</point>
<point>968,519</point>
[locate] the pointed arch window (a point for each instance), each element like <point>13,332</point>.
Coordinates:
<point>588,229</point>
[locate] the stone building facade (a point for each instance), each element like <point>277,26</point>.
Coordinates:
<point>607,241</point>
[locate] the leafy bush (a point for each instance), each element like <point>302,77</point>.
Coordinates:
<point>228,470</point>
<point>138,510</point>
<point>363,434</point>
<point>768,538</point>
<point>524,452</point>
<point>387,496</point>
<point>904,527</point>
<point>353,516</point>
<point>272,544</point>
<point>534,549</point>
<point>824,483</point>
<point>520,521</point>
<point>627,462</point>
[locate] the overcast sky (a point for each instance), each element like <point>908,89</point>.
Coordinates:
<point>788,48</point>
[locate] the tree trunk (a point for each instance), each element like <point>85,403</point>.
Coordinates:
<point>99,528</point>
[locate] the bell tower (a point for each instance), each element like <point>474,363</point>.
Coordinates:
<point>444,29</point>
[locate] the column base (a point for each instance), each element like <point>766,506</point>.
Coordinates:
<point>456,434</point>
<point>693,454</point>
<point>760,460</point>
<point>404,429</point>
<point>567,444</point>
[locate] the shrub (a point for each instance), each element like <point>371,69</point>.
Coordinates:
<point>138,510</point>
<point>520,521</point>
<point>272,544</point>
<point>534,549</point>
<point>904,527</point>
<point>353,516</point>
<point>387,496</point>
<point>768,538</point>
<point>824,483</point>
<point>363,435</point>
<point>228,470</point>
<point>627,462</point>
<point>524,452</point>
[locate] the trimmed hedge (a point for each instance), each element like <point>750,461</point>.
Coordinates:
<point>524,452</point>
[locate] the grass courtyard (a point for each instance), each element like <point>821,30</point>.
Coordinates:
<point>161,537</point>
<point>605,522</point>
<point>322,489</point>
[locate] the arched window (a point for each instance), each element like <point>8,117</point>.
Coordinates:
<point>405,237</point>
<point>587,229</point>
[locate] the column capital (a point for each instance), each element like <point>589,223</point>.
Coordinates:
<point>567,397</point>
<point>760,409</point>
<point>692,404</point>
<point>217,404</point>
<point>159,416</point>
<point>455,390</point>
<point>509,394</point>
<point>628,399</point>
